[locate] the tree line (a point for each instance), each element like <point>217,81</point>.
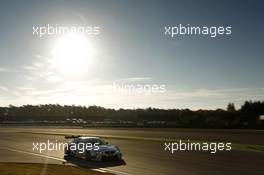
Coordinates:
<point>248,116</point>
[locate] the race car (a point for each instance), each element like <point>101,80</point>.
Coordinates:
<point>91,148</point>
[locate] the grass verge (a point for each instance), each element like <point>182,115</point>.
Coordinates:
<point>44,169</point>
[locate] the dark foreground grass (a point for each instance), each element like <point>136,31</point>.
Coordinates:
<point>44,169</point>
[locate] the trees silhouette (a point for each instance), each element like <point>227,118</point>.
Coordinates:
<point>246,117</point>
<point>231,107</point>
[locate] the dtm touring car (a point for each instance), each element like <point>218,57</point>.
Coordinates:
<point>91,148</point>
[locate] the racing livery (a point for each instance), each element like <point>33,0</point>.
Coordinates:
<point>91,148</point>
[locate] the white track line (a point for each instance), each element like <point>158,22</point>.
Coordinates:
<point>34,154</point>
<point>114,171</point>
<point>103,170</point>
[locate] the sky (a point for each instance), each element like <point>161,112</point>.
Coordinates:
<point>196,72</point>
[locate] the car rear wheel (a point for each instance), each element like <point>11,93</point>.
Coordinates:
<point>88,156</point>
<point>69,153</point>
<point>99,157</point>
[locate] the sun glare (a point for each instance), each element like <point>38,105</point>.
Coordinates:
<point>72,54</point>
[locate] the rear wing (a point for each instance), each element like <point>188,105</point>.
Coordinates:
<point>72,136</point>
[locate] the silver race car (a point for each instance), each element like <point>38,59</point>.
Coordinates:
<point>91,148</point>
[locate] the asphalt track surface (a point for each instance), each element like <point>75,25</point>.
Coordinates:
<point>142,156</point>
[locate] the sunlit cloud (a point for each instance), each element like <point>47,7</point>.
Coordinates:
<point>6,70</point>
<point>3,89</point>
<point>135,79</point>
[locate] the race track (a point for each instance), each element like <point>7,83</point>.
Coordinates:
<point>143,150</point>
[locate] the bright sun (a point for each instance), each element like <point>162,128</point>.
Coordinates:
<point>72,54</point>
